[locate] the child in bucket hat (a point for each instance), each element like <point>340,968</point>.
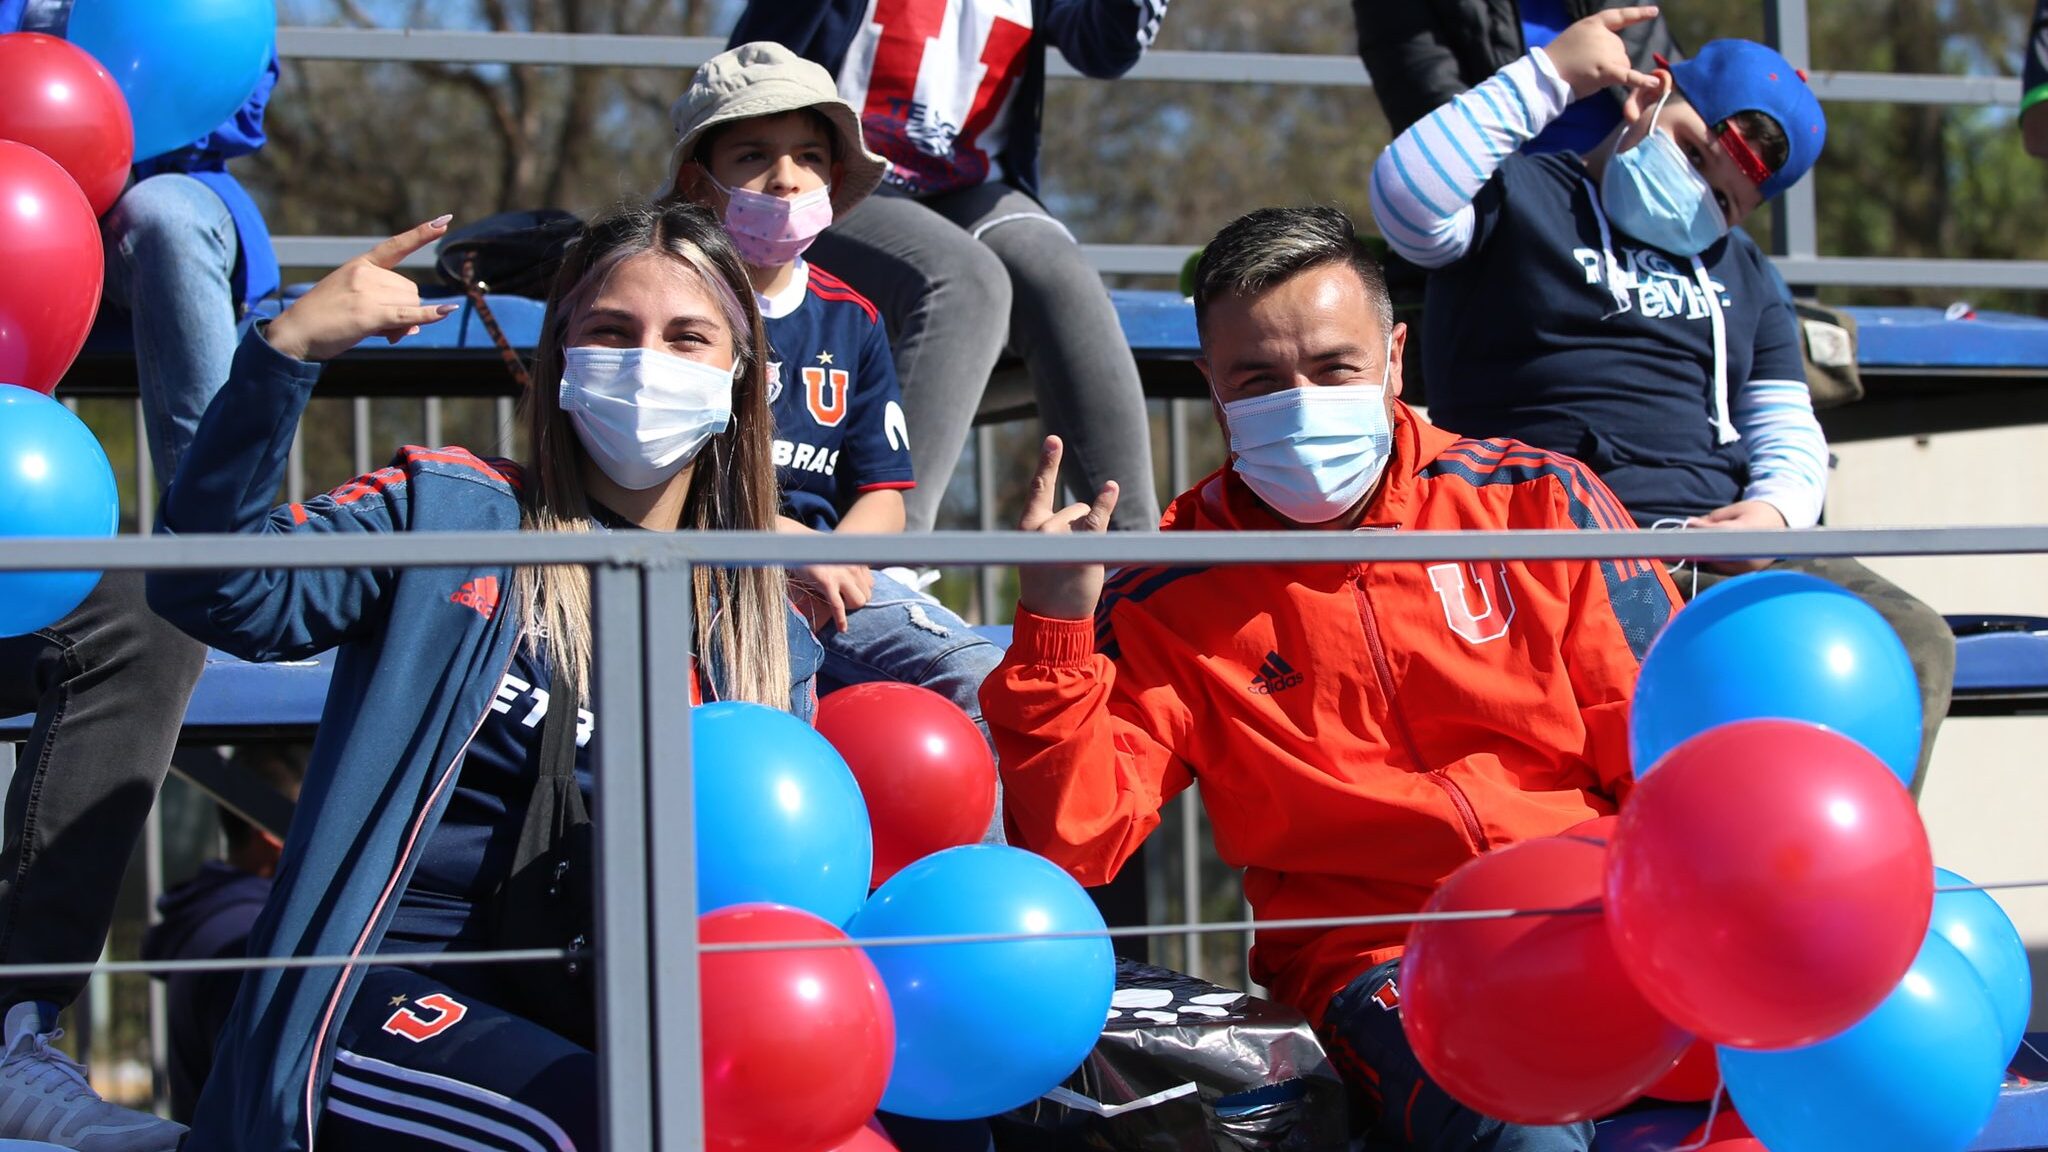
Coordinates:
<point>763,137</point>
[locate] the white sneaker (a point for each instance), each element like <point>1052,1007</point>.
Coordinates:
<point>915,580</point>
<point>45,1095</point>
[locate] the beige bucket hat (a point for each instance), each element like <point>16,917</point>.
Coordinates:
<point>766,79</point>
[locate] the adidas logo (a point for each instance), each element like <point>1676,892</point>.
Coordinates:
<point>1275,675</point>
<point>480,594</point>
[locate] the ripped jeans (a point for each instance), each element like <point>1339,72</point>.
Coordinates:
<point>905,636</point>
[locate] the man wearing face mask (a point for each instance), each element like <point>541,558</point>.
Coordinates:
<point>1359,731</point>
<point>1600,305</point>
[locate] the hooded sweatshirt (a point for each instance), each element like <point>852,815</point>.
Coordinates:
<point>206,918</point>
<point>1359,731</point>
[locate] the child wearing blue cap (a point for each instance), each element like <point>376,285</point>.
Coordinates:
<point>1605,305</point>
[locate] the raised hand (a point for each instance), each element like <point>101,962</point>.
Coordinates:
<point>1066,591</point>
<point>363,298</point>
<point>1590,55</point>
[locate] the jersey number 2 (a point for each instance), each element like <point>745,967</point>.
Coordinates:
<point>411,1025</point>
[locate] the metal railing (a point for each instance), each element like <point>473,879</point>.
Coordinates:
<point>1795,223</point>
<point>649,1055</point>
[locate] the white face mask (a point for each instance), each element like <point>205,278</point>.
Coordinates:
<point>1313,453</point>
<point>642,414</point>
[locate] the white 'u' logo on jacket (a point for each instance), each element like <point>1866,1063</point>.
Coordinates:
<point>1477,607</point>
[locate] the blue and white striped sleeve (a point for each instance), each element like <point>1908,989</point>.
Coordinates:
<point>1423,184</point>
<point>1788,453</point>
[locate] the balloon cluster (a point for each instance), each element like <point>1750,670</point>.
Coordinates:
<point>803,1045</point>
<point>133,79</point>
<point>1763,912</point>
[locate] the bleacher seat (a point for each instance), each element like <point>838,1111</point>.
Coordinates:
<point>1922,371</point>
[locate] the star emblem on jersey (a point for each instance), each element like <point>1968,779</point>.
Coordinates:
<point>396,1001</point>
<point>824,357</point>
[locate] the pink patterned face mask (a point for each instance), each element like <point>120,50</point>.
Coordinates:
<point>771,231</point>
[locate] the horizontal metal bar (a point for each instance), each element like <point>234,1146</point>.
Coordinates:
<point>586,49</point>
<point>455,46</point>
<point>244,963</point>
<point>1166,260</point>
<point>745,549</point>
<point>1888,272</point>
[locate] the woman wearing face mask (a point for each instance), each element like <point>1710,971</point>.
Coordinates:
<point>427,808</point>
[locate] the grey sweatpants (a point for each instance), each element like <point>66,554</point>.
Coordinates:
<point>960,277</point>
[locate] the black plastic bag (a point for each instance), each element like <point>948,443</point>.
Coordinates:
<point>1186,1066</point>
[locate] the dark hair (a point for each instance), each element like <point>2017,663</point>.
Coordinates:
<point>283,768</point>
<point>1765,135</point>
<point>712,135</point>
<point>1269,245</point>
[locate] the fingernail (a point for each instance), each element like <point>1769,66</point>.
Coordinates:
<point>445,309</point>
<point>441,221</point>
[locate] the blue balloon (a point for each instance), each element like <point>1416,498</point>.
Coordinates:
<point>780,819</point>
<point>984,1028</point>
<point>54,481</point>
<point>1984,934</point>
<point>1781,645</point>
<point>184,65</point>
<point>1921,1073</point>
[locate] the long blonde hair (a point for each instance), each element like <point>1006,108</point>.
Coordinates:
<point>742,613</point>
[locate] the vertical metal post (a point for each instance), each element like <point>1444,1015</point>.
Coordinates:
<point>159,1004</point>
<point>985,511</point>
<point>361,405</point>
<point>295,469</point>
<point>430,411</point>
<point>145,484</point>
<point>1177,470</point>
<point>1795,223</point>
<point>624,983</point>
<point>1191,876</point>
<point>672,860</point>
<point>506,413</point>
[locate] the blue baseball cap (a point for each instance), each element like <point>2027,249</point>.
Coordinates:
<point>1729,77</point>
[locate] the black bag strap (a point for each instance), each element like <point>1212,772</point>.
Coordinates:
<point>556,802</point>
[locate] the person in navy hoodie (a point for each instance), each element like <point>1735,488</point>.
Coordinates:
<point>648,411</point>
<point>958,251</point>
<point>1606,306</point>
<point>186,253</point>
<point>208,918</point>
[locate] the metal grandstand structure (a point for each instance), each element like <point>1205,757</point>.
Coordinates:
<point>650,1059</point>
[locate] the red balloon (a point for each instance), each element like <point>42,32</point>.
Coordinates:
<point>1530,1019</point>
<point>1697,1077</point>
<point>924,769</point>
<point>50,290</point>
<point>1600,828</point>
<point>1769,885</point>
<point>868,1139</point>
<point>1739,1144</point>
<point>57,99</point>
<point>797,1043</point>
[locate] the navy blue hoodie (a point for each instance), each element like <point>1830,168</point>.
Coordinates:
<point>416,668</point>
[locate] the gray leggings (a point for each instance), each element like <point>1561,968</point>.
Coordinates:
<point>962,276</point>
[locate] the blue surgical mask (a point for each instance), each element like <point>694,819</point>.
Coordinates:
<point>1312,453</point>
<point>1653,193</point>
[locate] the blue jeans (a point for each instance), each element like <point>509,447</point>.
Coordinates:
<point>905,636</point>
<point>1395,1102</point>
<point>171,247</point>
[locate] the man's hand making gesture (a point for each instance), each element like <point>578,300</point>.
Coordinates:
<point>1066,591</point>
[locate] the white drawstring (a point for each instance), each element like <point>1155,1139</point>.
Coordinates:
<point>1678,524</point>
<point>1610,267</point>
<point>1724,429</point>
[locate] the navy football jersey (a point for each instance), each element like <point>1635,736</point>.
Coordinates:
<point>839,428</point>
